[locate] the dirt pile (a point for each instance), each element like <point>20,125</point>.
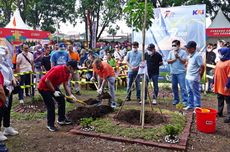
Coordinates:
<point>133,117</point>
<point>86,112</point>
<point>91,101</point>
<point>104,95</point>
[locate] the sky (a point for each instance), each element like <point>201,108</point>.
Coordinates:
<point>80,28</point>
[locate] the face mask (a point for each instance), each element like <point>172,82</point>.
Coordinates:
<point>175,48</point>
<point>135,49</point>
<point>149,52</point>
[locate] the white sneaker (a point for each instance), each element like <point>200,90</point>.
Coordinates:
<point>10,131</point>
<point>21,101</point>
<point>2,137</point>
<point>154,101</point>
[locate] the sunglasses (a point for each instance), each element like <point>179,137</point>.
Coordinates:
<point>174,45</point>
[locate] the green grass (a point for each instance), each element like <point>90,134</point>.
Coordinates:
<point>105,125</point>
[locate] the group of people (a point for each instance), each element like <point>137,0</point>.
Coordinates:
<point>62,64</point>
<point>186,69</point>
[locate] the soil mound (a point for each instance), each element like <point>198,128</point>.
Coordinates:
<point>86,112</point>
<point>104,95</point>
<point>91,101</point>
<point>133,117</point>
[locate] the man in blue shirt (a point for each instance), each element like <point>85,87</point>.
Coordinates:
<point>133,59</point>
<point>194,73</point>
<point>176,60</point>
<point>60,57</point>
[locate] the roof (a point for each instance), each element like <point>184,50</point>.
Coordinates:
<point>16,22</point>
<point>220,21</point>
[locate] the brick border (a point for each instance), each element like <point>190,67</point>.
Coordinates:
<point>180,146</point>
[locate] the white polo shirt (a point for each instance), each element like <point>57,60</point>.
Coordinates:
<point>24,65</point>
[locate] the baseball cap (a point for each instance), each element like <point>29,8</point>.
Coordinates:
<point>62,46</point>
<point>190,44</point>
<point>151,46</point>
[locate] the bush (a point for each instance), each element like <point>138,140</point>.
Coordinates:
<point>172,130</point>
<point>86,122</point>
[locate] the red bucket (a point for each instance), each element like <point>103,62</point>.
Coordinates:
<point>206,120</point>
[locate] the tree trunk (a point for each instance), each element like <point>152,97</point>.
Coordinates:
<point>86,29</point>
<point>102,30</point>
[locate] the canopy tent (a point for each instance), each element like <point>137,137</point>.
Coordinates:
<point>219,29</point>
<point>16,31</point>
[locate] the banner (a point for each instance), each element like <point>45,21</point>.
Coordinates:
<point>184,23</point>
<point>17,36</point>
<point>94,36</point>
<point>218,32</point>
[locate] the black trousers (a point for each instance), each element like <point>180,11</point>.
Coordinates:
<point>49,100</point>
<point>221,99</point>
<point>5,113</point>
<point>24,80</point>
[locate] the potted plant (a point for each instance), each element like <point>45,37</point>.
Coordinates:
<point>85,123</point>
<point>172,134</point>
<point>180,107</point>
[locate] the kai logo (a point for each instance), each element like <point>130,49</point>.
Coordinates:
<point>198,12</point>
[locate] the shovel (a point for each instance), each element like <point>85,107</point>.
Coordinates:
<point>82,102</point>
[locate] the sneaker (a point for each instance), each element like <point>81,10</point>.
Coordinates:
<point>78,93</point>
<point>128,99</point>
<point>188,108</point>
<point>10,131</point>
<point>175,102</point>
<point>2,137</point>
<point>21,101</point>
<point>52,129</point>
<point>65,122</point>
<point>113,105</point>
<point>227,120</point>
<point>220,115</point>
<point>154,102</point>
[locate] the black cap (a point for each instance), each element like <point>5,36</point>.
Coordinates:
<point>151,46</point>
<point>190,44</point>
<point>73,64</point>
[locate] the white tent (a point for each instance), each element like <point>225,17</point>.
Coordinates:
<point>220,21</point>
<point>16,22</point>
<point>219,28</point>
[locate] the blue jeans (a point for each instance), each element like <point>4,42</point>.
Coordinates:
<point>155,85</point>
<point>131,78</point>
<point>179,79</point>
<point>194,94</point>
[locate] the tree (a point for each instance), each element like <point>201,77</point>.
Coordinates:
<point>113,31</point>
<point>45,14</point>
<point>134,11</point>
<point>6,7</point>
<point>40,13</point>
<point>102,12</point>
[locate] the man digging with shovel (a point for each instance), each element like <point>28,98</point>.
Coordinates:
<point>50,92</point>
<point>105,73</point>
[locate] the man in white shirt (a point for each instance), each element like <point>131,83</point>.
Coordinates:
<point>24,63</point>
